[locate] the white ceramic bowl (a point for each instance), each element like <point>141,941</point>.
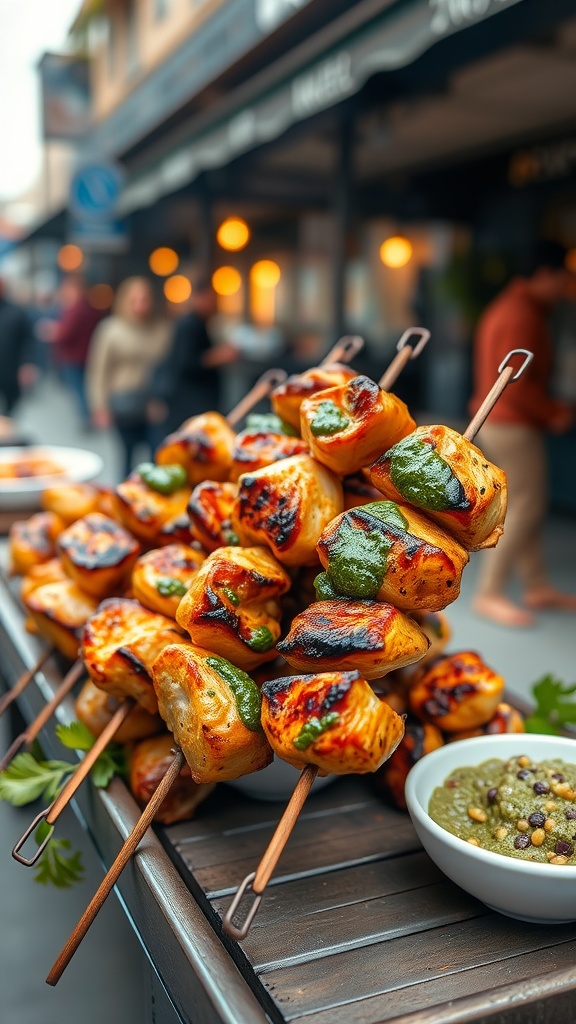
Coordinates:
<point>78,464</point>
<point>536,892</point>
<point>276,782</point>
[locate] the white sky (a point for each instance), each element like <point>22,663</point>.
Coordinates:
<point>27,29</point>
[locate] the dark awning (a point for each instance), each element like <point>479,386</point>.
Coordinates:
<point>266,109</point>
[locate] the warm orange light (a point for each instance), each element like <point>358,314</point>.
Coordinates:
<point>163,261</point>
<point>570,260</point>
<point>100,296</point>
<point>70,257</point>
<point>233,234</point>
<point>395,252</point>
<point>226,281</point>
<point>177,288</point>
<point>265,274</point>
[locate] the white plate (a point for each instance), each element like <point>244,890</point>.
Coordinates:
<point>79,465</point>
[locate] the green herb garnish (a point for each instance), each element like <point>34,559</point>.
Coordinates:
<point>232,597</point>
<point>269,422</point>
<point>552,710</point>
<point>246,693</point>
<point>169,586</point>
<point>261,639</point>
<point>164,479</point>
<point>329,419</point>
<point>54,868</point>
<point>314,728</point>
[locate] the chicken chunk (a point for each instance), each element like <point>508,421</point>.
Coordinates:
<point>98,554</point>
<point>203,445</point>
<point>59,611</point>
<point>254,449</point>
<point>287,398</point>
<point>210,511</point>
<point>95,709</point>
<point>70,501</point>
<point>33,541</point>
<point>149,762</point>
<point>419,739</point>
<point>456,692</point>
<point>505,719</point>
<point>161,577</point>
<point>144,510</point>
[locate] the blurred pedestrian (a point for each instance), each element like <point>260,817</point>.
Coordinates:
<point>514,437</point>
<point>17,343</point>
<point>125,349</point>
<point>71,338</point>
<point>187,381</point>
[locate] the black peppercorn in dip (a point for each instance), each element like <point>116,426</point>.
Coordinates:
<point>515,807</point>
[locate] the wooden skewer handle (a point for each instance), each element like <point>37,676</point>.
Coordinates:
<point>284,828</point>
<point>506,374</point>
<point>20,685</point>
<point>112,876</point>
<point>344,350</point>
<point>405,352</point>
<point>263,386</point>
<point>67,684</point>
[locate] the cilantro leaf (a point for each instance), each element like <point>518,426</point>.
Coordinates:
<point>112,761</point>
<point>26,779</point>
<point>75,736</point>
<point>54,868</point>
<point>553,709</point>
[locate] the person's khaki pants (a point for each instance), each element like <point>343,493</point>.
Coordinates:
<point>521,452</point>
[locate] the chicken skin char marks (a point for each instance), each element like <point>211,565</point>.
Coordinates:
<point>59,611</point>
<point>119,645</point>
<point>212,709</point>
<point>450,479</point>
<point>254,449</point>
<point>370,636</point>
<point>286,506</point>
<point>95,708</point>
<point>348,427</point>
<point>456,692</point>
<point>287,398</point>
<point>161,577</point>
<point>392,553</point>
<point>98,554</point>
<point>210,511</point>
<point>331,719</point>
<point>203,445</point>
<point>232,606</point>
<point>420,738</point>
<point>144,510</point>
<point>33,541</point>
<point>148,764</point>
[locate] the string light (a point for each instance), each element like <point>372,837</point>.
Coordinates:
<point>233,234</point>
<point>396,252</point>
<point>70,257</point>
<point>265,274</point>
<point>163,261</point>
<point>177,288</point>
<point>226,281</point>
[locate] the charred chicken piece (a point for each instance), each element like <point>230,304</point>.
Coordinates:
<point>456,692</point>
<point>371,636</point>
<point>149,762</point>
<point>40,575</point>
<point>330,719</point>
<point>106,499</point>
<point>210,511</point>
<point>33,541</point>
<point>180,531</point>
<point>390,552</point>
<point>254,449</point>
<point>98,554</point>
<point>59,611</point>
<point>95,709</point>
<point>233,607</point>
<point>286,506</point>
<point>287,398</point>
<point>505,719</point>
<point>419,739</point>
<point>162,576</point>
<point>203,445</point>
<point>358,491</point>
<point>70,501</point>
<point>437,628</point>
<point>450,479</point>
<point>348,427</point>
<point>120,643</point>
<point>143,508</point>
<point>213,710</point>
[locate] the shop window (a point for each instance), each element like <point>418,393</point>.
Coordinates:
<point>131,39</point>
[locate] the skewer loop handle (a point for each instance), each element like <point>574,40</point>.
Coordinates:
<point>344,350</point>
<point>28,862</point>
<point>506,374</point>
<point>232,930</point>
<point>269,380</point>
<point>404,353</point>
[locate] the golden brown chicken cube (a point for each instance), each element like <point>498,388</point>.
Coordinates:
<point>331,719</point>
<point>233,607</point>
<point>505,719</point>
<point>449,478</point>
<point>254,449</point>
<point>392,553</point>
<point>70,501</point>
<point>203,445</point>
<point>59,611</point>
<point>161,577</point>
<point>33,541</point>
<point>120,643</point>
<point>210,511</point>
<point>95,709</point>
<point>144,510</point>
<point>419,738</point>
<point>348,427</point>
<point>98,554</point>
<point>456,692</point>
<point>358,491</point>
<point>179,530</point>
<point>213,710</point>
<point>39,575</point>
<point>371,636</point>
<point>149,762</point>
<point>287,398</point>
<point>286,506</point>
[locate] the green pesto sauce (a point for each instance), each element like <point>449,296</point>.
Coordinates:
<point>261,639</point>
<point>423,477</point>
<point>270,423</point>
<point>232,597</point>
<point>232,539</point>
<point>508,793</point>
<point>324,589</point>
<point>246,693</point>
<point>358,557</point>
<point>314,728</point>
<point>328,420</point>
<point>169,586</point>
<point>164,479</point>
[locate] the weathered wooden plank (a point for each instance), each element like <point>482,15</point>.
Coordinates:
<point>533,988</point>
<point>410,960</point>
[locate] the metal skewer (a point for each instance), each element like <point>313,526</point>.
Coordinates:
<point>344,350</point>
<point>263,386</point>
<point>20,685</point>
<point>404,353</point>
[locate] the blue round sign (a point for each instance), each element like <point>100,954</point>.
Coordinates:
<point>94,191</point>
